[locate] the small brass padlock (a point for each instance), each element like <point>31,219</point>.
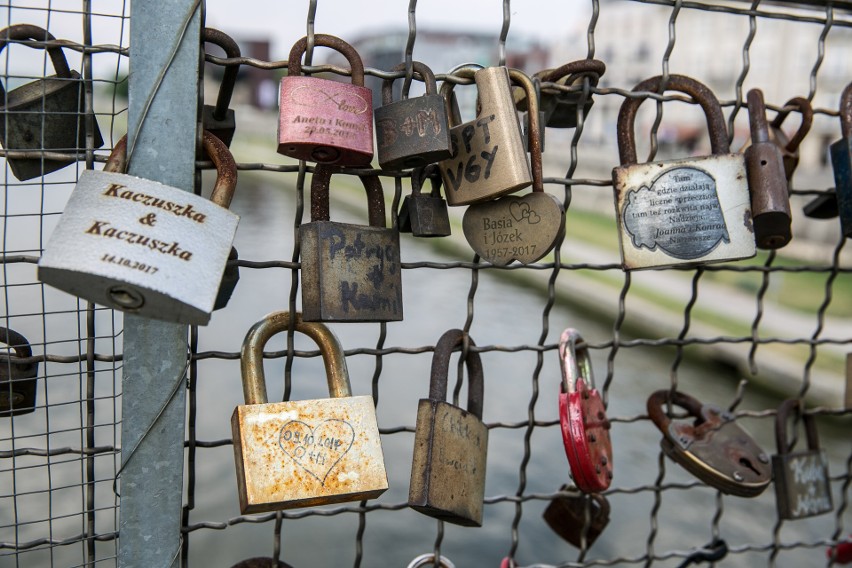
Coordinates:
<point>47,114</point>
<point>576,517</point>
<point>219,120</point>
<point>18,381</point>
<point>841,161</point>
<point>450,444</point>
<point>304,453</point>
<point>421,214</point>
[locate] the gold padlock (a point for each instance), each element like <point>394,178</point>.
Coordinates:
<point>304,453</point>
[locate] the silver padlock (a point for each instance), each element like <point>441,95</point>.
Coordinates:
<point>142,247</point>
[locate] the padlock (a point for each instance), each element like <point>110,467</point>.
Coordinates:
<point>325,121</point>
<point>428,559</point>
<point>17,380</point>
<point>450,444</point>
<point>585,427</point>
<point>142,247</point>
<point>350,273</point>
<point>713,448</point>
<point>578,516</point>
<point>488,156</point>
<point>261,562</point>
<point>559,108</point>
<point>767,180</point>
<point>841,162</point>
<point>47,114</point>
<point>229,281</point>
<point>412,132</point>
<point>790,145</point>
<point>303,453</point>
<point>517,228</point>
<point>677,212</point>
<point>219,120</point>
<point>802,483</point>
<point>424,215</point>
<point>823,206</point>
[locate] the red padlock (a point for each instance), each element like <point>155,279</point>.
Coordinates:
<point>585,427</point>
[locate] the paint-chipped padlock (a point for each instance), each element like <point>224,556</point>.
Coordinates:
<point>713,447</point>
<point>450,444</point>
<point>676,212</point>
<point>424,214</point>
<point>585,427</point>
<point>325,121</point>
<point>303,453</point>
<point>841,161</point>
<point>412,132</point>
<point>45,115</point>
<point>488,156</point>
<point>767,180</point>
<point>577,517</point>
<point>350,273</point>
<point>219,120</point>
<point>17,380</point>
<point>802,483</point>
<point>142,247</point>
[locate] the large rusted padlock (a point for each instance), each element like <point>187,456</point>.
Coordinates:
<point>802,483</point>
<point>713,447</point>
<point>45,115</point>
<point>219,120</point>
<point>585,427</point>
<point>17,380</point>
<point>577,517</point>
<point>302,453</point>
<point>142,247</point>
<point>349,272</point>
<point>422,214</point>
<point>325,121</point>
<point>412,132</point>
<point>841,161</point>
<point>450,444</point>
<point>689,211</point>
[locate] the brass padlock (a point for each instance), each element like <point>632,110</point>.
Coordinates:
<point>576,516</point>
<point>421,214</point>
<point>349,272</point>
<point>841,162</point>
<point>802,483</point>
<point>677,212</point>
<point>18,381</point>
<point>450,444</point>
<point>47,114</point>
<point>219,120</point>
<point>303,453</point>
<point>488,156</point>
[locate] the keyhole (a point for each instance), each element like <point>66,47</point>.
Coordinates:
<point>745,462</point>
<point>763,162</point>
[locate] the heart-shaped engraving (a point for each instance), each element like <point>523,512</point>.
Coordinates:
<point>514,228</point>
<point>317,450</point>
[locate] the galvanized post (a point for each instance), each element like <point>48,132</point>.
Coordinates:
<point>161,142</point>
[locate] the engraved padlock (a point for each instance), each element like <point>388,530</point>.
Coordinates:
<point>303,453</point>
<point>18,381</point>
<point>802,483</point>
<point>559,107</point>
<point>412,132</point>
<point>350,273</point>
<point>219,120</point>
<point>713,447</point>
<point>677,212</point>
<point>841,162</point>
<point>578,517</point>
<point>488,156</point>
<point>582,415</point>
<point>325,121</point>
<point>424,214</point>
<point>142,247</point>
<point>450,443</point>
<point>517,228</point>
<point>45,115</point>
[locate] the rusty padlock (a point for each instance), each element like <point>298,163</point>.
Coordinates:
<point>450,444</point>
<point>349,272</point>
<point>576,517</point>
<point>713,447</point>
<point>802,483</point>
<point>47,114</point>
<point>142,247</point>
<point>18,381</point>
<point>841,162</point>
<point>422,214</point>
<point>767,180</point>
<point>219,120</point>
<point>412,132</point>
<point>325,121</point>
<point>790,145</point>
<point>303,453</point>
<point>560,107</point>
<point>585,427</point>
<point>687,211</point>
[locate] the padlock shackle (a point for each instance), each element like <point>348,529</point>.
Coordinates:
<point>23,32</point>
<point>657,401</point>
<point>520,78</point>
<point>251,355</point>
<point>294,65</point>
<point>420,175</point>
<point>591,68</point>
<point>464,71</point>
<point>574,361</point>
<point>448,343</point>
<point>320,186</point>
<point>229,79</point>
<point>226,169</point>
<point>846,112</point>
<point>757,116</point>
<point>428,559</point>
<point>426,75</point>
<point>17,342</point>
<point>793,408</point>
<point>698,91</point>
<point>117,161</point>
<point>803,106</point>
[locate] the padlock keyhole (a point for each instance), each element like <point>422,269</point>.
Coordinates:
<point>745,462</point>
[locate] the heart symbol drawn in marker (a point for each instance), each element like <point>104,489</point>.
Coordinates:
<point>317,450</point>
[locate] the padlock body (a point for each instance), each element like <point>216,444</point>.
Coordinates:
<point>45,115</point>
<point>678,212</point>
<point>428,215</point>
<point>770,200</point>
<point>141,247</point>
<point>841,162</point>
<point>585,435</point>
<point>17,388</point>
<point>566,516</point>
<point>307,452</point>
<point>802,484</point>
<point>412,133</point>
<point>561,109</point>
<point>350,273</point>
<point>325,121</point>
<point>448,469</point>
<point>229,282</point>
<point>224,128</point>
